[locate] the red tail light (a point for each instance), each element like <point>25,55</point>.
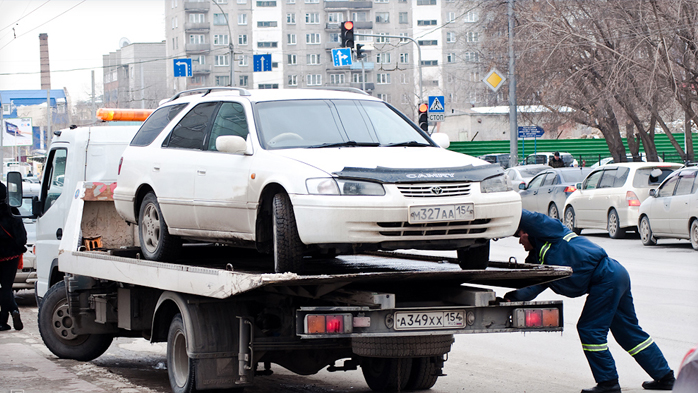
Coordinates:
<point>536,318</point>
<point>632,199</point>
<point>323,323</point>
<point>121,161</point>
<point>570,189</point>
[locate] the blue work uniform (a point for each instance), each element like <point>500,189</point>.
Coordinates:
<point>609,304</point>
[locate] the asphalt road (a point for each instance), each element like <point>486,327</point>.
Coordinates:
<point>664,285</point>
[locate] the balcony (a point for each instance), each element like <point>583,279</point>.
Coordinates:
<point>363,25</point>
<point>201,69</point>
<point>332,45</point>
<point>351,5</point>
<point>356,65</point>
<point>369,85</point>
<point>197,6</point>
<point>189,26</point>
<point>197,48</point>
<point>333,26</point>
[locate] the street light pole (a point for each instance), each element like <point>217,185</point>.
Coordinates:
<point>513,125</point>
<point>230,44</point>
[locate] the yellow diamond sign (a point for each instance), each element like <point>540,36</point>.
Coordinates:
<point>494,79</point>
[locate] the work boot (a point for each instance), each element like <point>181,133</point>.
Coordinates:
<point>664,383</point>
<point>16,320</point>
<point>4,326</point>
<point>611,386</point>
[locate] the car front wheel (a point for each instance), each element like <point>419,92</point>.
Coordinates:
<point>646,232</point>
<point>570,220</point>
<point>288,248</point>
<point>694,234</point>
<point>553,212</point>
<point>156,242</point>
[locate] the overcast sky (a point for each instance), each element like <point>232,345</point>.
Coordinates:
<point>79,33</point>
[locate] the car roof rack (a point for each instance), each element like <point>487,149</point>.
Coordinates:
<point>206,90</point>
<point>338,88</point>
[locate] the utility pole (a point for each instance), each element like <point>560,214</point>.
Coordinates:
<point>230,44</point>
<point>513,126</point>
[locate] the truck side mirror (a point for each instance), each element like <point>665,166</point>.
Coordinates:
<point>14,189</point>
<point>653,192</point>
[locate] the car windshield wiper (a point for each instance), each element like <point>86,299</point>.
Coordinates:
<point>345,144</point>
<point>410,143</point>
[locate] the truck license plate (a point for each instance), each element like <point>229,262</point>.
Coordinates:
<point>442,213</point>
<point>429,320</point>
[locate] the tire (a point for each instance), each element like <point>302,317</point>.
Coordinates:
<point>553,212</point>
<point>474,258</point>
<point>402,347</point>
<point>156,242</point>
<point>570,220</point>
<point>424,373</point>
<point>694,234</point>
<point>288,248</point>
<point>613,226</point>
<point>180,368</point>
<point>55,327</point>
<point>386,374</point>
<point>646,232</point>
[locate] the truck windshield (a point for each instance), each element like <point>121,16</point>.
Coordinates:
<point>332,123</point>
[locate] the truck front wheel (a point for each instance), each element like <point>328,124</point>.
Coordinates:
<point>180,368</point>
<point>386,374</point>
<point>56,329</point>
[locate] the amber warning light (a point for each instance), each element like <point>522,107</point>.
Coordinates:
<point>112,114</point>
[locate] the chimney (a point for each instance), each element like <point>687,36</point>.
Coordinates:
<point>45,69</point>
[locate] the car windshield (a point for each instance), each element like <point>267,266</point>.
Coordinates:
<point>650,177</point>
<point>333,123</point>
<point>575,176</point>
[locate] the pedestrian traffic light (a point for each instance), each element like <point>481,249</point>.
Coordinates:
<point>424,117</point>
<point>347,35</point>
<point>360,51</point>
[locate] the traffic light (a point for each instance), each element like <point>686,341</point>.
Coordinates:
<point>347,35</point>
<point>424,117</point>
<point>360,51</point>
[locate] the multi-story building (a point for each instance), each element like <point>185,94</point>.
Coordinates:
<point>134,76</point>
<point>300,34</point>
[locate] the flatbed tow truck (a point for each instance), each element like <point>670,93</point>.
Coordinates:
<point>226,318</point>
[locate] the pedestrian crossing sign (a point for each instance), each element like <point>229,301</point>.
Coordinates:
<point>436,104</point>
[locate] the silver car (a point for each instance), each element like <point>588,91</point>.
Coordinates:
<point>522,174</point>
<point>547,192</point>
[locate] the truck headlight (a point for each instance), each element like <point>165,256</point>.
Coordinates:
<point>330,186</point>
<point>497,183</point>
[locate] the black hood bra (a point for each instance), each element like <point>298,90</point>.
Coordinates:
<point>468,173</point>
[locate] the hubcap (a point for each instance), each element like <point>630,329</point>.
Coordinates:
<point>63,323</point>
<point>645,231</point>
<point>694,234</point>
<point>180,368</point>
<point>612,224</point>
<point>569,220</point>
<point>150,227</point>
<point>553,212</point>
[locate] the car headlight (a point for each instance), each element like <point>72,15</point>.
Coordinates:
<point>330,186</point>
<point>497,183</point>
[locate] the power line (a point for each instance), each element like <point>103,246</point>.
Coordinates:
<point>30,12</point>
<point>57,16</point>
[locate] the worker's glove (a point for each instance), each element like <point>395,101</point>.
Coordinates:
<point>498,300</point>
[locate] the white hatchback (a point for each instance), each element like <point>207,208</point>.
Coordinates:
<point>610,196</point>
<point>300,173</point>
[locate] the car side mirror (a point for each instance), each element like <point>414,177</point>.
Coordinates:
<point>522,186</point>
<point>231,144</point>
<point>441,139</point>
<point>579,186</point>
<point>14,189</point>
<point>653,192</point>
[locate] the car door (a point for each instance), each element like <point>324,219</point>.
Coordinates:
<point>679,210</point>
<point>584,203</point>
<point>529,196</point>
<point>660,219</point>
<point>545,192</point>
<point>221,185</point>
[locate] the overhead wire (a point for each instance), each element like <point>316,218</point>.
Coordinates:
<point>50,20</point>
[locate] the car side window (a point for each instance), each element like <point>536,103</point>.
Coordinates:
<point>621,177</point>
<point>667,189</point>
<point>608,178</point>
<point>230,120</point>
<point>536,182</point>
<point>592,180</point>
<point>155,123</point>
<point>549,179</point>
<point>686,181</point>
<point>189,133</point>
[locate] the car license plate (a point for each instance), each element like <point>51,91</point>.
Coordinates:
<point>407,320</point>
<point>442,213</point>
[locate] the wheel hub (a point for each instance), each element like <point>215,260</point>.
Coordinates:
<point>63,323</point>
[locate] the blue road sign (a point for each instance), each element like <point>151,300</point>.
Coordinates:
<point>182,67</point>
<point>341,57</point>
<point>436,104</point>
<point>261,63</point>
<point>530,132</point>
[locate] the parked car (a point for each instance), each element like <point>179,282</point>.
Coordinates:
<point>26,276</point>
<point>547,191</point>
<point>610,196</point>
<point>522,174</point>
<point>671,211</point>
<point>501,159</point>
<point>545,157</point>
<point>305,172</point>
<point>610,160</point>
<point>687,378</point>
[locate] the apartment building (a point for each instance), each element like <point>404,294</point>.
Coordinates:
<point>134,75</point>
<point>300,34</point>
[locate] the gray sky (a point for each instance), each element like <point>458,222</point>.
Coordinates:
<point>79,33</point>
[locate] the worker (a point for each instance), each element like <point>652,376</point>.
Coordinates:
<point>556,160</point>
<point>609,304</point>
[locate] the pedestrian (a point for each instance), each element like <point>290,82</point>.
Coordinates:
<point>556,161</point>
<point>13,238</point>
<point>609,303</point>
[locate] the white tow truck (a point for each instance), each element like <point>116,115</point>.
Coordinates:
<point>224,313</point>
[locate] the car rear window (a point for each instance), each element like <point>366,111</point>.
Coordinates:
<point>574,176</point>
<point>155,123</point>
<point>644,177</point>
<point>530,172</point>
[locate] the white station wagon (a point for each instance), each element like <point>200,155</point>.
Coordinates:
<point>300,173</point>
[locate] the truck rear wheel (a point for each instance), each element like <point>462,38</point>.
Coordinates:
<point>386,374</point>
<point>56,329</point>
<point>156,242</point>
<point>288,248</point>
<point>425,372</point>
<point>474,258</point>
<point>180,368</point>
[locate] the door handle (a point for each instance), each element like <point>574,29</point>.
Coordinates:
<point>156,169</point>
<point>550,191</point>
<point>200,172</point>
<point>59,233</point>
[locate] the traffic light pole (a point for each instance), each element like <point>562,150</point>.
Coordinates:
<point>230,45</point>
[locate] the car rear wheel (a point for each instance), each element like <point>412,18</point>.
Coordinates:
<point>288,248</point>
<point>646,232</point>
<point>553,212</point>
<point>156,242</point>
<point>570,220</point>
<point>694,234</point>
<point>614,229</point>
<point>474,258</point>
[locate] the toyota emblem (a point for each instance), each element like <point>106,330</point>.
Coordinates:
<point>436,190</point>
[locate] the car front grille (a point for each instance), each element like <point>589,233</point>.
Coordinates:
<point>400,229</point>
<point>434,190</point>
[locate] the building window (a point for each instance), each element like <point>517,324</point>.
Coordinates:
<point>312,18</point>
<point>336,79</point>
<point>242,19</point>
<point>360,38</point>
<point>334,37</point>
<point>291,19</point>
<point>268,86</point>
<point>197,39</point>
<point>267,44</point>
<point>274,64</point>
<point>293,80</point>
<point>380,1</point>
<point>221,60</point>
<point>242,1</point>
<point>430,22</point>
<point>198,80</point>
<point>451,58</point>
<point>404,99</point>
<point>222,81</point>
<point>291,39</point>
<point>220,19</point>
<point>174,3</point>
<point>335,17</point>
<point>473,36</point>
<point>404,35</point>
<point>357,78</point>
<point>220,39</point>
<point>451,16</point>
<point>313,80</point>
<point>290,1</point>
<point>384,97</point>
<point>312,1</point>
<point>312,38</point>
<point>242,39</point>
<point>173,24</point>
<point>267,23</point>
<point>428,42</point>
<point>475,76</point>
<point>243,80</point>
<point>450,37</point>
<point>426,2</point>
<point>292,59</point>
<point>221,1</point>
<point>472,57</point>
<point>266,3</point>
<point>197,18</point>
<point>312,59</point>
<point>383,79</point>
<point>383,58</point>
<point>430,62</point>
<point>404,58</point>
<point>359,16</point>
<point>403,17</point>
<point>242,61</point>
<point>199,59</point>
<point>403,78</point>
<point>382,17</point>
<point>471,17</point>
<point>382,40</point>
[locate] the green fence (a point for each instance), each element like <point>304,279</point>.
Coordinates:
<point>590,150</point>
